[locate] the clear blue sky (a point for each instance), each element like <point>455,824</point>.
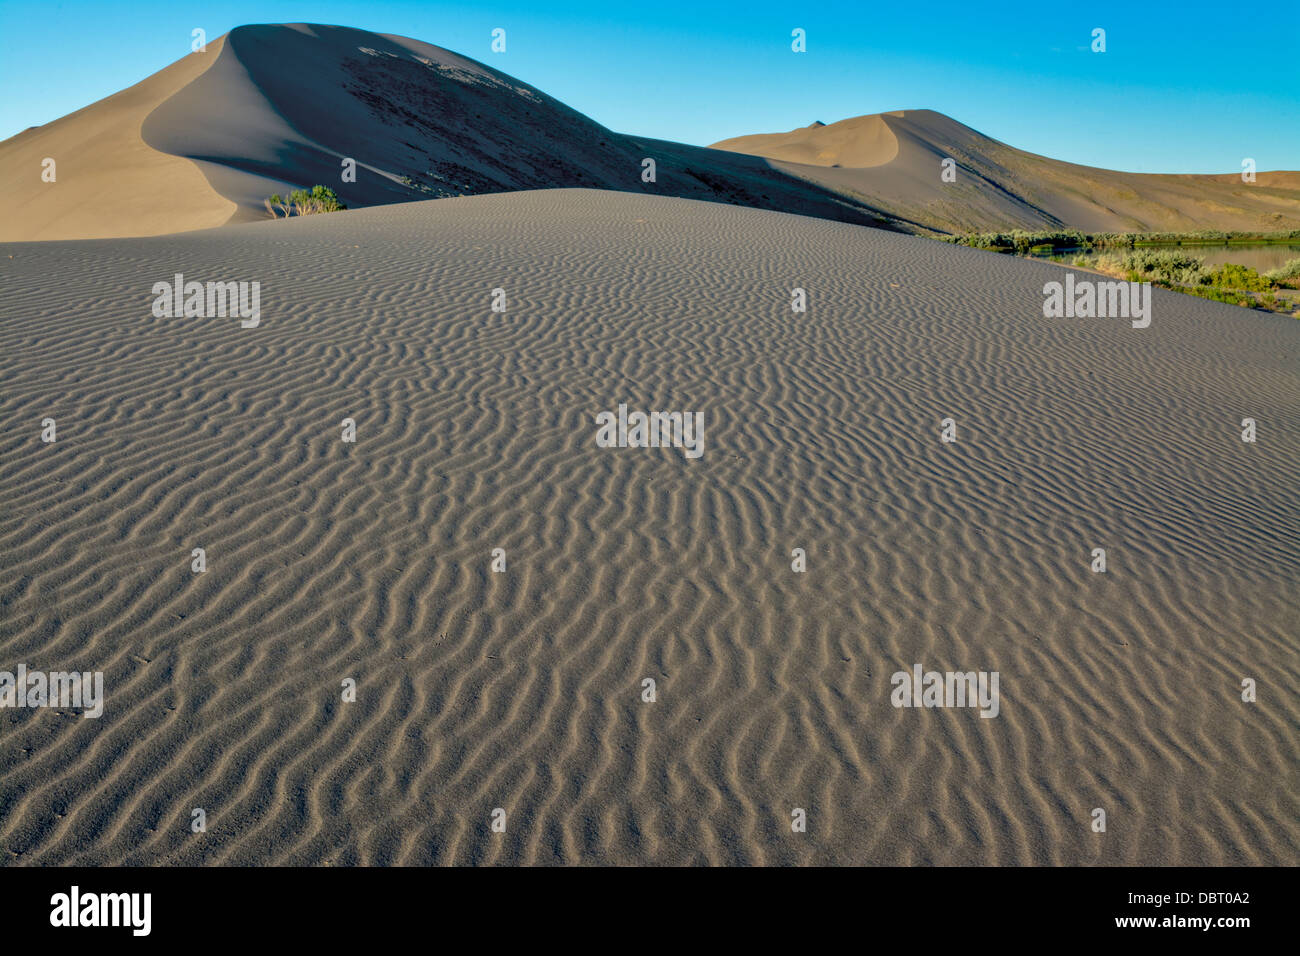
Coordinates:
<point>1182,87</point>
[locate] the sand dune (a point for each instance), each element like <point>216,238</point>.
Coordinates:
<point>522,690</point>
<point>108,180</point>
<point>272,108</point>
<point>892,161</point>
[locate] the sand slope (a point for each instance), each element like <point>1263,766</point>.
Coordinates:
<point>522,690</point>
<point>892,161</point>
<point>108,180</point>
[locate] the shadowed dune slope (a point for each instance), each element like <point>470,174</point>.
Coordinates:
<point>892,161</point>
<point>522,690</point>
<point>279,107</point>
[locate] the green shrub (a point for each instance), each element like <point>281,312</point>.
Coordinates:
<point>1232,276</point>
<point>1021,241</point>
<point>1228,296</point>
<point>302,202</point>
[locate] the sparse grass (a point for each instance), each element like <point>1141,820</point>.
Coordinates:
<point>1226,296</point>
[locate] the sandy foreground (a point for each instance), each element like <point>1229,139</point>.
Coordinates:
<point>522,690</point>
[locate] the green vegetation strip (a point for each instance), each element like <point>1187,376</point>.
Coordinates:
<point>1176,270</point>
<point>1022,241</point>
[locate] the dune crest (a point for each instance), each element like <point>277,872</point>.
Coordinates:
<point>859,143</point>
<point>109,180</point>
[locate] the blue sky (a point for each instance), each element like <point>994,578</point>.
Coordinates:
<point>1182,87</point>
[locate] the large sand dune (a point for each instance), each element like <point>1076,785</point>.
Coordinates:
<point>522,690</point>
<point>272,108</point>
<point>892,161</point>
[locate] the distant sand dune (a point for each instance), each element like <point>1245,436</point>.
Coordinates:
<point>522,690</point>
<point>860,142</point>
<point>892,161</point>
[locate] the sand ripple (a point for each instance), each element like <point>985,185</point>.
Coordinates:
<point>522,690</point>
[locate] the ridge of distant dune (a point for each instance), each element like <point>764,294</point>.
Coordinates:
<point>999,187</point>
<point>860,142</point>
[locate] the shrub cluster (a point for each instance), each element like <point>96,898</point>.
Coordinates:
<point>1230,283</point>
<point>302,202</point>
<point>1163,267</point>
<point>1288,273</point>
